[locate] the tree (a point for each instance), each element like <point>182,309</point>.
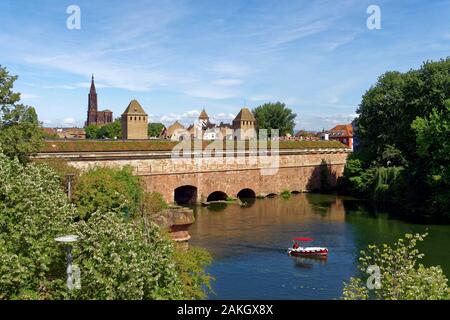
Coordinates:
<point>111,130</point>
<point>275,116</point>
<point>155,129</point>
<point>118,258</point>
<point>394,127</point>
<point>106,189</point>
<point>433,143</point>
<point>92,131</point>
<point>33,211</point>
<point>20,131</point>
<point>401,276</point>
<point>122,259</point>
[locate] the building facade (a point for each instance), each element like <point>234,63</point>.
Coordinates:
<point>134,122</point>
<point>95,117</point>
<point>342,133</point>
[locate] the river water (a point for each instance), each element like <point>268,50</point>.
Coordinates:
<point>249,245</point>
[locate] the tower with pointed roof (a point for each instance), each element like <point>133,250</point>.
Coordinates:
<point>94,116</point>
<point>134,122</point>
<point>244,125</point>
<point>203,116</point>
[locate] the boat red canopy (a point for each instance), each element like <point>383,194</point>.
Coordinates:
<point>303,239</point>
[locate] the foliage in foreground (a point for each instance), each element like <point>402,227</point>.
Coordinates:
<point>33,211</point>
<point>118,258</point>
<point>124,260</point>
<point>191,268</point>
<point>402,276</point>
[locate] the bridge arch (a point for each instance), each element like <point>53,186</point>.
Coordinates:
<point>186,194</point>
<point>217,196</point>
<point>246,193</point>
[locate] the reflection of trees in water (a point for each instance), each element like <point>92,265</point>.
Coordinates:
<point>256,221</point>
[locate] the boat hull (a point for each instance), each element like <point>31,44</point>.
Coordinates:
<point>308,252</point>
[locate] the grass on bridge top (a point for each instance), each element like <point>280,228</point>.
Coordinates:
<point>160,145</point>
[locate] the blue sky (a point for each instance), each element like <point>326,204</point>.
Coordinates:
<point>177,57</point>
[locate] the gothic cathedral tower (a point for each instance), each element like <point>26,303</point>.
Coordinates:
<point>94,116</point>
<point>92,105</point>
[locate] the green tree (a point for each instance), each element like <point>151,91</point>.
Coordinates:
<point>92,131</point>
<point>111,130</point>
<point>20,131</point>
<point>106,189</point>
<point>275,116</point>
<point>155,129</point>
<point>402,277</point>
<point>124,259</point>
<point>33,211</point>
<point>433,143</point>
<point>191,265</point>
<point>390,165</point>
<point>151,204</point>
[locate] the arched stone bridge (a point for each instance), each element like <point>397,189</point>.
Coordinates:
<point>217,177</point>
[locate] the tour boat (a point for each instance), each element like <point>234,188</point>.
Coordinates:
<point>297,250</point>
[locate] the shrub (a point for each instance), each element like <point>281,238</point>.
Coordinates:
<point>286,194</point>
<point>401,276</point>
<point>191,268</point>
<point>107,189</point>
<point>124,259</point>
<point>33,211</point>
<point>152,203</point>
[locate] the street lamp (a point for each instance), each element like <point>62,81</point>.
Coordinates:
<point>67,240</point>
<point>69,185</point>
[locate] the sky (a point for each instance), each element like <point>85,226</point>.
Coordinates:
<point>177,57</point>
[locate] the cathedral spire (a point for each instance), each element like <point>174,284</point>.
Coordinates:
<point>92,85</point>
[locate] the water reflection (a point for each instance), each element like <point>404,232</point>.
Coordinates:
<point>308,262</point>
<point>249,244</point>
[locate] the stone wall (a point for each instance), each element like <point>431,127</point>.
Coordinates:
<point>300,171</point>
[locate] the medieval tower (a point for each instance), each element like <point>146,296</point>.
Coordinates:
<point>134,122</point>
<point>244,125</point>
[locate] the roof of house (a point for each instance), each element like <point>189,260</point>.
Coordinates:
<point>173,127</point>
<point>244,115</point>
<point>134,108</point>
<point>342,130</point>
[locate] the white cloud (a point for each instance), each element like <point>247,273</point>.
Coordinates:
<point>227,82</point>
<point>28,96</point>
<point>69,121</point>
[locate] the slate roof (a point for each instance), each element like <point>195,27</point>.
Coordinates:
<point>134,108</point>
<point>244,115</point>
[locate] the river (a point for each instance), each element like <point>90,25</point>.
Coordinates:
<point>249,245</point>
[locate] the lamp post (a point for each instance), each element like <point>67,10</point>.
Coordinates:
<point>68,240</point>
<point>69,185</point>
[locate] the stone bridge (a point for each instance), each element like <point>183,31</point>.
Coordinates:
<point>199,177</point>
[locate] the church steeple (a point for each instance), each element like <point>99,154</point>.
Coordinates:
<point>92,85</point>
<point>92,104</point>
